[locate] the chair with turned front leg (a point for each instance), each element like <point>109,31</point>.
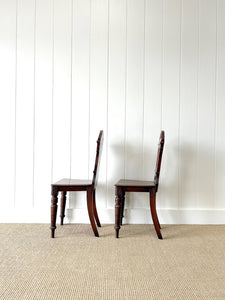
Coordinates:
<point>74,185</point>
<point>151,187</point>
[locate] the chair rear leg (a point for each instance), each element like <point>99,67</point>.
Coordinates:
<point>62,206</point>
<point>158,222</point>
<point>91,211</point>
<point>122,208</point>
<point>95,211</point>
<point>154,213</point>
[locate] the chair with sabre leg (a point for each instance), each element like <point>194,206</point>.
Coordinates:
<point>74,185</point>
<point>151,187</point>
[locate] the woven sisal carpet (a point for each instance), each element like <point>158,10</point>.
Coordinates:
<point>188,264</point>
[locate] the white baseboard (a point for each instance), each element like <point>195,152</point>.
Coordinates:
<point>106,216</point>
<point>143,216</point>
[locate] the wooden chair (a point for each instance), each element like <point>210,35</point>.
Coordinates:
<point>123,186</point>
<point>73,185</point>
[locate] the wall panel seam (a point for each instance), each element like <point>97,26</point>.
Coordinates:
<point>162,62</point>
<point>125,90</point>
<point>107,104</point>
<point>34,97</point>
<point>53,83</point>
<point>216,105</point>
<point>15,101</point>
<point>179,109</point>
<point>71,87</point>
<point>143,88</point>
<point>197,103</point>
<point>89,86</point>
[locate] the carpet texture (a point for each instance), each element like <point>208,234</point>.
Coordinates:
<point>189,263</point>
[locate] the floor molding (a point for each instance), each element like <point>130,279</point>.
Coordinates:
<point>132,216</point>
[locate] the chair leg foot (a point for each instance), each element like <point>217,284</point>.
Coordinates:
<point>52,233</point>
<point>117,234</point>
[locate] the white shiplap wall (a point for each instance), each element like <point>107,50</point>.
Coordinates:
<point>130,67</point>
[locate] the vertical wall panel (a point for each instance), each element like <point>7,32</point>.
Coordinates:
<point>98,88</point>
<point>80,88</point>
<point>152,84</point>
<point>62,89</point>
<point>7,99</point>
<point>170,104</point>
<point>80,97</point>
<point>43,104</point>
<point>220,108</point>
<point>206,108</point>
<point>25,103</point>
<point>188,105</point>
<point>134,95</point>
<point>117,96</point>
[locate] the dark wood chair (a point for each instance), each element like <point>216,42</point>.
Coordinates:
<point>73,185</point>
<point>151,187</point>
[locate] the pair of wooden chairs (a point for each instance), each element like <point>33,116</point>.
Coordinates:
<point>122,186</point>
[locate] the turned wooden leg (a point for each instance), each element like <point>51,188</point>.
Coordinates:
<point>95,210</point>
<point>54,210</point>
<point>154,213</point>
<point>122,208</point>
<point>62,206</point>
<point>91,211</point>
<point>117,210</point>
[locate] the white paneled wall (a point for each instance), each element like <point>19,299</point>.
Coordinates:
<point>69,68</point>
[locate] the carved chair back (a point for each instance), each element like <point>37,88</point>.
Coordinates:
<point>97,159</point>
<point>159,158</point>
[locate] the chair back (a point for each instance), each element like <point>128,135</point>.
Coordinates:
<point>97,159</point>
<point>159,158</point>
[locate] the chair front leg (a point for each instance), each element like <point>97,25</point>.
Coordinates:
<point>62,206</point>
<point>95,211</point>
<point>90,207</point>
<point>154,213</point>
<point>118,210</point>
<point>54,210</point>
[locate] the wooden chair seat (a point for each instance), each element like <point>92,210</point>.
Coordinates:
<point>73,182</point>
<point>73,185</point>
<point>125,185</point>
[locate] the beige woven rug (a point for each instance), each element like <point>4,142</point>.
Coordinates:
<point>188,264</point>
